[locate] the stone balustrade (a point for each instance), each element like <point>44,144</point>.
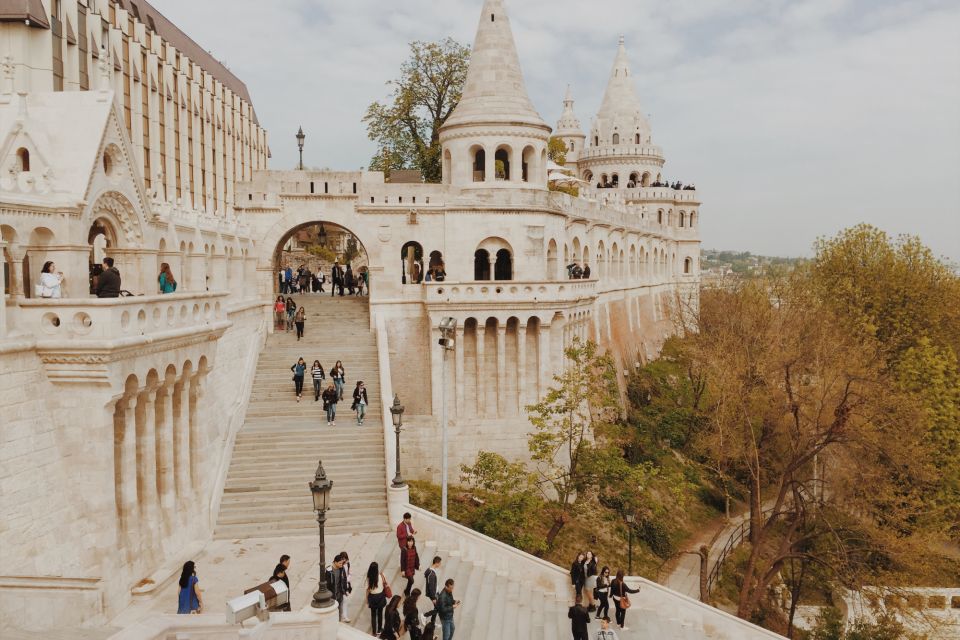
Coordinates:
<point>488,292</point>
<point>81,320</point>
<point>622,151</point>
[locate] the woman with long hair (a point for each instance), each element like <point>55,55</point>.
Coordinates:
<point>376,599</point>
<point>168,284</point>
<point>280,313</point>
<point>348,587</point>
<point>190,600</point>
<point>590,569</point>
<point>360,402</point>
<point>577,575</point>
<point>412,618</point>
<point>603,593</point>
<point>299,319</point>
<point>291,311</point>
<point>316,372</point>
<point>409,563</point>
<point>50,281</point>
<point>338,375</point>
<point>391,620</point>
<point>299,368</point>
<point>619,591</point>
<point>330,399</point>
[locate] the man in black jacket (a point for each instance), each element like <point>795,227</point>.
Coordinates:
<point>335,580</point>
<point>579,619</point>
<point>430,577</point>
<point>108,283</point>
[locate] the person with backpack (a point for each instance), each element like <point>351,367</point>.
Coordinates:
<point>299,369</point>
<point>430,578</point>
<point>603,593</point>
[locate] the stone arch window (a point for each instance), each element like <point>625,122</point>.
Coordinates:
<point>411,258</point>
<point>683,219</point>
<point>502,163</point>
<point>616,138</point>
<point>573,146</point>
<point>529,163</point>
<point>436,268</point>
<point>634,179</point>
<point>604,181</point>
<point>588,176</point>
<point>23,159</point>
<point>688,265</point>
<point>601,261</point>
<point>633,262</point>
<point>596,141</point>
<point>447,167</point>
<point>614,262</point>
<point>693,219</point>
<point>615,180</point>
<point>660,216</point>
<point>503,267</point>
<point>645,179</point>
<point>479,156</point>
<point>481,264</point>
<point>542,168</point>
<point>552,259</point>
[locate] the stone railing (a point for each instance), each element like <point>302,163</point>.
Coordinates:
<point>81,320</point>
<point>509,291</point>
<point>307,624</point>
<point>621,151</point>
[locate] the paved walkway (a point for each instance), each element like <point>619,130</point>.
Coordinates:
<point>685,576</point>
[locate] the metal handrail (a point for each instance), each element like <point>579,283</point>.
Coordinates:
<point>734,541</point>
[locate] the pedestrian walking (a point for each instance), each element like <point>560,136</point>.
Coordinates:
<point>50,281</point>
<point>291,312</point>
<point>430,580</point>
<point>603,593</point>
<point>318,376</point>
<point>605,632</point>
<point>335,582</point>
<point>579,620</point>
<point>288,280</point>
<point>299,319</point>
<point>321,279</point>
<point>280,282</point>
<point>339,376</point>
<point>376,597</point>
<point>282,572</point>
<point>349,281</point>
<point>330,398</point>
<point>409,563</point>
<point>190,600</point>
<point>336,273</point>
<point>392,620</point>
<point>413,620</point>
<point>405,530</point>
<point>299,369</point>
<point>345,570</point>
<point>360,401</point>
<point>578,576</point>
<point>620,591</point>
<point>280,313</point>
<point>590,569</point>
<point>446,605</point>
<point>168,284</point>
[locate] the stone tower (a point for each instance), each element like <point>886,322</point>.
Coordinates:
<point>495,137</point>
<point>570,131</point>
<point>621,145</point>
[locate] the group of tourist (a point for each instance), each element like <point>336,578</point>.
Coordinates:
<point>632,184</point>
<point>597,586</point>
<point>575,272</point>
<point>334,391</point>
<point>105,283</point>
<point>304,281</point>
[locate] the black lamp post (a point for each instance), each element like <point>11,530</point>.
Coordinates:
<point>322,236</point>
<point>396,411</point>
<point>300,137</point>
<point>320,488</point>
<point>630,519</point>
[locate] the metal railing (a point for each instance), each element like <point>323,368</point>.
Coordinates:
<point>735,540</point>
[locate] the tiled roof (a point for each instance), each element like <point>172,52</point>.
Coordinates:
<point>31,10</point>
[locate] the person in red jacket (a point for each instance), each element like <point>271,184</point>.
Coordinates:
<point>409,563</point>
<point>405,530</point>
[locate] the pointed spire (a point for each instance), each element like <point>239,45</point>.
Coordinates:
<point>568,124</point>
<point>494,90</point>
<point>621,106</point>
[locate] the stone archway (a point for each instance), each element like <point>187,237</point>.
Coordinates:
<point>312,249</point>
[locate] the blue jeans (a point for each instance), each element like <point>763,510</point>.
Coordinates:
<point>361,411</point>
<point>331,412</point>
<point>338,385</point>
<point>448,628</point>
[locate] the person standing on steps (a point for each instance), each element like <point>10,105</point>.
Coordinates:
<point>605,632</point>
<point>299,319</point>
<point>190,600</point>
<point>291,312</point>
<point>288,279</point>
<point>579,620</point>
<point>603,593</point>
<point>578,577</point>
<point>316,372</point>
<point>412,618</point>
<point>330,399</point>
<point>392,620</point>
<point>446,605</point>
<point>299,369</point>
<point>339,376</point>
<point>280,313</point>
<point>348,279</point>
<point>360,402</point>
<point>335,582</point>
<point>590,569</point>
<point>280,281</point>
<point>376,599</point>
<point>621,600</point>
<point>430,578</point>
<point>409,563</point>
<point>405,530</point>
<point>348,586</point>
<point>336,277</point>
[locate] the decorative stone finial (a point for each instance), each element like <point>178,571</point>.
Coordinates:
<point>104,66</point>
<point>8,70</point>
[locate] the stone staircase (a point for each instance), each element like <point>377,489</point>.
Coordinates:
<point>505,606</point>
<point>276,451</point>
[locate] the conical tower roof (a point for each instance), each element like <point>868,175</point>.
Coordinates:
<point>495,91</point>
<point>568,124</point>
<point>621,106</point>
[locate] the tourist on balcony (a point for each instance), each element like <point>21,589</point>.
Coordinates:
<point>603,593</point>
<point>291,312</point>
<point>190,600</point>
<point>409,563</point>
<point>280,312</point>
<point>590,569</point>
<point>108,284</point>
<point>579,620</point>
<point>570,269</point>
<point>360,402</point>
<point>299,319</point>
<point>168,284</point>
<point>50,281</point>
<point>298,370</point>
<point>339,376</point>
<point>413,620</point>
<point>318,376</point>
<point>586,272</point>
<point>621,600</point>
<point>578,576</point>
<point>330,398</point>
<point>376,599</point>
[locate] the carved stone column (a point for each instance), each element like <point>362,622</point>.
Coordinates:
<point>502,400</point>
<point>147,469</point>
<point>458,355</point>
<point>126,472</point>
<point>165,453</point>
<point>481,374</point>
<point>521,367</point>
<point>181,441</point>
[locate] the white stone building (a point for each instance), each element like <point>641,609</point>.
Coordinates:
<point>118,416</point>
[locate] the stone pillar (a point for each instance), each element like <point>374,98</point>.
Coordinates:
<point>198,272</point>
<point>458,355</point>
<point>16,272</point>
<point>181,443</point>
<point>522,391</point>
<point>165,453</point>
<point>127,262</point>
<point>147,469</point>
<point>490,165</point>
<point>127,467</point>
<point>481,374</point>
<point>543,360</point>
<point>502,400</point>
<point>196,441</point>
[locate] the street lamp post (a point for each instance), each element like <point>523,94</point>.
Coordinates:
<point>396,412</point>
<point>300,137</point>
<point>630,519</point>
<point>320,488</point>
<point>448,328</point>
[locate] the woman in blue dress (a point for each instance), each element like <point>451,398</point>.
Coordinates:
<point>190,599</point>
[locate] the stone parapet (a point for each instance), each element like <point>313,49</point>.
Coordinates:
<point>513,293</point>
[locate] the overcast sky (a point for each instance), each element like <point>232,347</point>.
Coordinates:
<point>795,118</point>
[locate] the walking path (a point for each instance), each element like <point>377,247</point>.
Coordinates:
<point>684,577</point>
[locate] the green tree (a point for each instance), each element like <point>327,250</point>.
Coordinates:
<point>557,151</point>
<point>406,127</point>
